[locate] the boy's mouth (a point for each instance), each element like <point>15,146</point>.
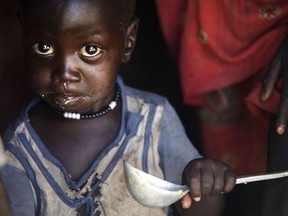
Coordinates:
<point>66,100</point>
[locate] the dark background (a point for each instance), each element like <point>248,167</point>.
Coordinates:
<point>151,69</point>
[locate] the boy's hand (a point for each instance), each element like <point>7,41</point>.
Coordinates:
<point>206,177</point>
<point>278,67</point>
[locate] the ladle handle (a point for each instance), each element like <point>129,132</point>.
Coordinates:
<point>255,178</point>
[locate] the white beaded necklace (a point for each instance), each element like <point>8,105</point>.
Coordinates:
<point>78,116</point>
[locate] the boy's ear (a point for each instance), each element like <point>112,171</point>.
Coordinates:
<point>130,40</point>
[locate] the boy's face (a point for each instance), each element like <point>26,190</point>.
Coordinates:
<point>74,50</point>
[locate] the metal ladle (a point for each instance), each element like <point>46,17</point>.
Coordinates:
<point>154,192</point>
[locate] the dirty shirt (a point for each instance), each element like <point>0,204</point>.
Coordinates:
<point>151,138</point>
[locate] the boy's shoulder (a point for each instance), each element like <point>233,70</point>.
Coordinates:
<point>145,96</point>
<point>21,122</point>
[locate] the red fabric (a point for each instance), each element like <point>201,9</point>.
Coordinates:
<point>220,43</point>
<point>240,143</point>
<point>227,44</point>
<point>236,137</point>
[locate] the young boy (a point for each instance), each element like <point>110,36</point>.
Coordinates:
<point>66,149</point>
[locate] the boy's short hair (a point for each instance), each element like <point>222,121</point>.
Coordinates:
<point>127,8</point>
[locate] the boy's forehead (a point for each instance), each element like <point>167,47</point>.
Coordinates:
<point>54,7</point>
<point>64,13</point>
<point>78,4</point>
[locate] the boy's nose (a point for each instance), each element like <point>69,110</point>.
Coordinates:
<point>67,71</point>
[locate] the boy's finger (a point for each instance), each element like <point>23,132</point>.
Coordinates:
<point>207,182</point>
<point>230,180</point>
<point>186,201</point>
<point>218,186</point>
<point>194,183</point>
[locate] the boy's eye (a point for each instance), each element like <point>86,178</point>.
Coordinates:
<point>90,50</point>
<point>43,49</point>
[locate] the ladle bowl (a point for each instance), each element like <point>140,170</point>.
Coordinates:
<point>151,191</point>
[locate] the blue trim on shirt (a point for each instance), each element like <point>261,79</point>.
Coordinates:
<point>119,154</point>
<point>147,136</point>
<point>71,202</point>
<point>29,172</point>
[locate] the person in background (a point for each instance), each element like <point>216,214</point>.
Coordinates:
<point>223,49</point>
<point>275,199</point>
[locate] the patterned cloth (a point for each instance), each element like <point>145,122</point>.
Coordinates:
<point>222,49</point>
<point>151,138</point>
